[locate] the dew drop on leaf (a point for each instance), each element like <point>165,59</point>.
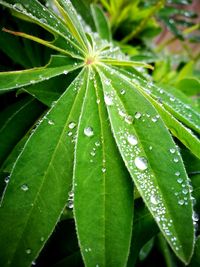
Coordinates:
<point>176,160</point>
<point>88,131</point>
<point>24,187</point>
<point>132,140</point>
<point>181,202</point>
<point>195,216</point>
<point>7,179</point>
<point>72,125</point>
<point>28,251</point>
<point>103,170</point>
<point>180,180</point>
<point>154,200</point>
<point>108,100</point>
<point>50,122</point>
<point>141,163</point>
<point>172,150</point>
<point>138,115</point>
<point>177,173</point>
<point>185,191</point>
<point>122,92</point>
<point>128,119</point>
<point>19,7</point>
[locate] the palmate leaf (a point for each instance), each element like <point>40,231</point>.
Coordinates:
<point>103,129</point>
<point>162,191</point>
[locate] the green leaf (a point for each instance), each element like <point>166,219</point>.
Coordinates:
<point>40,181</point>
<point>15,121</point>
<point>137,126</point>
<point>102,186</point>
<point>16,79</point>
<point>196,257</point>
<point>101,23</point>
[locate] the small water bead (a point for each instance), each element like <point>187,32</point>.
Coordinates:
<point>122,92</point>
<point>181,202</point>
<point>172,150</point>
<point>129,119</point>
<point>72,125</point>
<point>88,131</point>
<point>24,187</point>
<point>154,200</point>
<point>138,115</point>
<point>150,148</point>
<point>103,170</point>
<point>92,153</point>
<point>7,179</point>
<point>43,20</point>
<point>69,133</point>
<point>70,204</point>
<point>180,180</point>
<point>28,251</point>
<point>108,100</point>
<point>98,101</point>
<point>172,99</point>
<point>19,7</point>
<point>195,216</point>
<point>177,173</point>
<point>176,160</point>
<point>141,163</point>
<point>185,191</point>
<point>132,140</point>
<point>33,263</point>
<point>50,122</point>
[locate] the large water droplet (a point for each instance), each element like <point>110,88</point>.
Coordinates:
<point>141,163</point>
<point>19,7</point>
<point>154,200</point>
<point>108,100</point>
<point>179,180</point>
<point>24,187</point>
<point>72,125</point>
<point>88,131</point>
<point>132,140</point>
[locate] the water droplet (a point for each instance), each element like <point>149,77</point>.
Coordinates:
<point>108,100</point>
<point>24,187</point>
<point>88,131</point>
<point>180,180</point>
<point>150,148</point>
<point>70,204</point>
<point>7,179</point>
<point>33,263</point>
<point>185,191</point>
<point>103,170</point>
<point>172,99</point>
<point>43,20</point>
<point>65,72</point>
<point>71,194</point>
<point>19,7</point>
<point>122,92</point>
<point>195,216</point>
<point>72,125</point>
<point>128,119</point>
<point>154,119</point>
<point>97,143</point>
<point>177,173</point>
<point>28,251</point>
<point>98,101</point>
<point>138,115</point>
<point>172,150</point>
<point>50,122</point>
<point>122,113</point>
<point>42,239</point>
<point>176,160</point>
<point>154,200</point>
<point>92,153</point>
<point>141,163</point>
<point>69,133</point>
<point>132,140</point>
<point>181,202</point>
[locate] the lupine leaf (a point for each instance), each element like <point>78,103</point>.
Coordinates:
<point>16,79</point>
<point>102,186</point>
<point>136,126</point>
<point>37,191</point>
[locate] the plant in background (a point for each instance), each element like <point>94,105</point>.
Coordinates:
<point>109,139</point>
